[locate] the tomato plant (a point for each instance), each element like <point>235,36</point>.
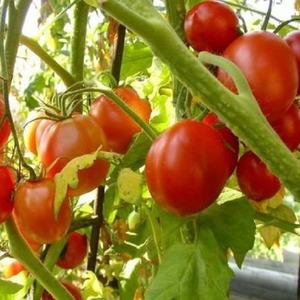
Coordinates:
<point>4,124</point>
<point>205,32</point>
<point>118,127</point>
<point>173,174</point>
<point>276,92</point>
<point>74,251</point>
<point>255,179</point>
<point>196,150</point>
<point>34,211</point>
<point>7,181</point>
<point>61,141</point>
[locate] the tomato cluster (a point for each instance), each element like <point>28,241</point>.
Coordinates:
<point>271,66</point>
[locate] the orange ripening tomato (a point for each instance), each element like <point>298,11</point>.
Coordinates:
<point>12,268</point>
<point>58,142</point>
<point>118,127</point>
<point>34,211</point>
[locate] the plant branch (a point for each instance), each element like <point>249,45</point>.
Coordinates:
<point>21,251</point>
<point>34,46</point>
<point>238,112</point>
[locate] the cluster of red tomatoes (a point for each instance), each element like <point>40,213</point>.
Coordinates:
<point>55,142</point>
<point>189,164</point>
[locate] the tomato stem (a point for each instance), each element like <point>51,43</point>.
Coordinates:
<point>34,46</point>
<point>22,252</point>
<point>238,112</point>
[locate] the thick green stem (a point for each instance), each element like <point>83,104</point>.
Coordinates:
<point>34,46</point>
<point>78,44</point>
<point>21,251</point>
<point>17,14</point>
<point>245,120</point>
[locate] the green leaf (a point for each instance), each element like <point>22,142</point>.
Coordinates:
<point>9,287</point>
<point>233,225</point>
<point>192,271</point>
<point>137,58</point>
<point>68,176</point>
<point>93,3</point>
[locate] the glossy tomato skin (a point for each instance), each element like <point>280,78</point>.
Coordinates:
<point>186,167</point>
<point>255,179</point>
<point>58,142</point>
<point>211,26</point>
<point>118,127</point>
<point>270,68</point>
<point>74,251</point>
<point>288,127</point>
<point>73,290</point>
<point>293,40</point>
<point>230,140</point>
<point>5,129</point>
<point>7,184</point>
<point>34,211</point>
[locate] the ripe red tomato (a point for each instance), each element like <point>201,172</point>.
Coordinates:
<point>230,140</point>
<point>34,211</point>
<point>74,251</point>
<point>211,26</point>
<point>35,246</point>
<point>288,127</point>
<point>270,68</point>
<point>186,167</point>
<point>73,289</point>
<point>255,179</point>
<point>58,142</point>
<point>293,40</point>
<point>12,268</point>
<point>5,129</point>
<point>118,127</point>
<point>7,183</point>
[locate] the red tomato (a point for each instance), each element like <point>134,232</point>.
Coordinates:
<point>288,127</point>
<point>270,68</point>
<point>73,289</point>
<point>12,268</point>
<point>74,251</point>
<point>186,167</point>
<point>255,179</point>
<point>35,246</point>
<point>293,40</point>
<point>58,142</point>
<point>34,211</point>
<point>118,127</point>
<point>5,129</point>
<point>7,184</point>
<point>211,26</point>
<point>230,140</point>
